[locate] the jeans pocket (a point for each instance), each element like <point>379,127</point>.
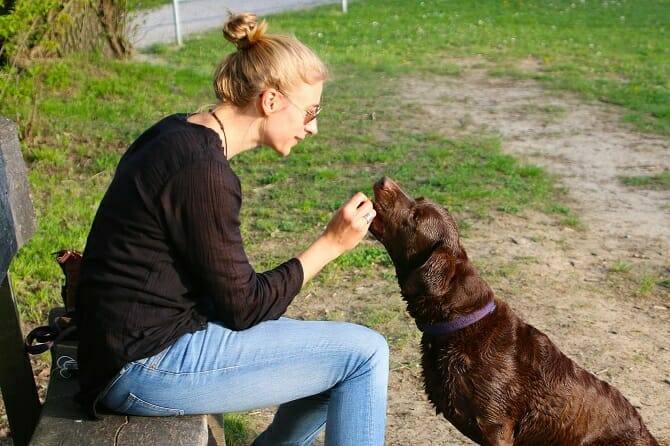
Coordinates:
<point>135,405</point>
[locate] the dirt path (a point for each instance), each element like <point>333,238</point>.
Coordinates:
<point>559,279</point>
<point>585,144</point>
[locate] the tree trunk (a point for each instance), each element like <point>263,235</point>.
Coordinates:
<point>7,6</point>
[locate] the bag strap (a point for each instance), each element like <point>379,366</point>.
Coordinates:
<point>43,338</point>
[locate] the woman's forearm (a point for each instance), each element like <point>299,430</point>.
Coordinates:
<point>318,255</point>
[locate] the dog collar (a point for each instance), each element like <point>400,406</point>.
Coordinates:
<point>459,323</point>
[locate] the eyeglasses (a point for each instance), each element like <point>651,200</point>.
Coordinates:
<point>310,114</point>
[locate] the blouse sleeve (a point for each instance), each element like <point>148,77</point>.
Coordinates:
<point>201,206</point>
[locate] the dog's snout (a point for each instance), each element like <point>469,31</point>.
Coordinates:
<point>385,183</point>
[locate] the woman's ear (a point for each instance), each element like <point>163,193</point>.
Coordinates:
<point>270,101</point>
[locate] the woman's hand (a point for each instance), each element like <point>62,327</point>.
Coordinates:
<point>350,223</point>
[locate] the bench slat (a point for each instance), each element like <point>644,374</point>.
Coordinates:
<point>17,217</point>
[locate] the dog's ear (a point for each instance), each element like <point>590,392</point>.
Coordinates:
<point>432,277</point>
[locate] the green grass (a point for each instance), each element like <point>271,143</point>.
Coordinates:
<point>646,283</point>
<point>390,319</point>
<point>235,426</point>
<point>658,181</point>
<point>621,266</point>
<point>641,279</point>
<point>79,114</point>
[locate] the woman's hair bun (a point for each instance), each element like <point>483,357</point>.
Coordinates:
<point>244,30</point>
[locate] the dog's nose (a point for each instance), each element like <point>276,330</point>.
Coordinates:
<point>385,183</point>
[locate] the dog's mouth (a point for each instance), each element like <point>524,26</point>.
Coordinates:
<point>385,191</point>
<point>383,196</point>
<point>377,226</point>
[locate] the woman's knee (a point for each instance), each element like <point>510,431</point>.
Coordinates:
<point>370,346</point>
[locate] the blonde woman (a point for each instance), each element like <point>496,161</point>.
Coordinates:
<point>174,320</point>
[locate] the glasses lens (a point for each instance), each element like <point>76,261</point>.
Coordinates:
<point>312,113</point>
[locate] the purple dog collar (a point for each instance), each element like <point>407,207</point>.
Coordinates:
<point>459,323</point>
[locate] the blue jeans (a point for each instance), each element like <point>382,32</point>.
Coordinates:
<point>331,374</point>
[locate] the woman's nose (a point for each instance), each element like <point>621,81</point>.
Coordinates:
<point>312,127</point>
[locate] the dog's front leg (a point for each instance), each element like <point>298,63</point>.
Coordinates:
<point>497,433</point>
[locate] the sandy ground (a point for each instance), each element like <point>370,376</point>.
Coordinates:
<point>558,279</point>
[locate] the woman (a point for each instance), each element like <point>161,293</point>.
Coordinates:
<point>173,319</point>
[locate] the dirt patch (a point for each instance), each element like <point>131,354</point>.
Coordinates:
<point>584,143</point>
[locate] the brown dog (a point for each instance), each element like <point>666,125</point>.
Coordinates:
<point>497,379</point>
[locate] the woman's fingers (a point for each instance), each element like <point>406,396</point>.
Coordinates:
<point>351,222</point>
<point>365,214</point>
<point>356,202</point>
<point>364,208</point>
<point>359,212</point>
<point>363,217</point>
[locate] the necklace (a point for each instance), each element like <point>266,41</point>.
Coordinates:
<point>225,139</point>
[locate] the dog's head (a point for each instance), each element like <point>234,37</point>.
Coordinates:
<point>421,238</point>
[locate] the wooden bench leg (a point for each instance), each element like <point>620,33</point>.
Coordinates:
<point>16,375</point>
<point>216,434</point>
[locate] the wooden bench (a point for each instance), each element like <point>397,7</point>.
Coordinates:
<point>60,421</point>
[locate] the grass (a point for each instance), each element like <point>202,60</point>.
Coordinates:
<point>658,181</point>
<point>390,319</point>
<point>646,283</point>
<point>641,280</point>
<point>621,266</point>
<point>235,427</point>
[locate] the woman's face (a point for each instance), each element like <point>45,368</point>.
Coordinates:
<point>286,114</point>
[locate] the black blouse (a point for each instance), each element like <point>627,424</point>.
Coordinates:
<point>165,255</point>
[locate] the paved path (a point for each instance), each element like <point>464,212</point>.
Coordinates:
<point>157,25</point>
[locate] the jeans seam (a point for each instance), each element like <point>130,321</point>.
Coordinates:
<point>370,390</point>
<point>134,399</point>
<point>315,431</point>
